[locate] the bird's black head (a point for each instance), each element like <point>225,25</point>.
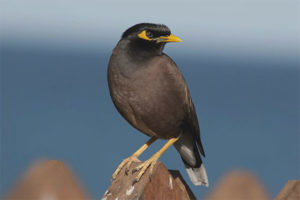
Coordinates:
<point>147,36</point>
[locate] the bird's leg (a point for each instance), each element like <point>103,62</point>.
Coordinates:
<point>133,157</point>
<point>152,161</point>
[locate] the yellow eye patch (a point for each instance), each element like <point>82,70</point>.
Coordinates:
<point>143,35</point>
<point>170,38</point>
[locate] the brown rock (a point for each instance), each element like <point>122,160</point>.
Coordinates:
<point>181,183</point>
<point>291,191</point>
<point>162,185</point>
<point>47,180</point>
<point>238,185</point>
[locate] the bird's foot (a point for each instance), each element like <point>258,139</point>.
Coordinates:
<point>127,161</point>
<point>144,166</point>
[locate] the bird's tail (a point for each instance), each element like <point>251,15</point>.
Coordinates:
<point>190,155</point>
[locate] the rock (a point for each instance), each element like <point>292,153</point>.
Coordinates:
<point>47,180</point>
<point>291,191</point>
<point>238,185</point>
<point>163,184</point>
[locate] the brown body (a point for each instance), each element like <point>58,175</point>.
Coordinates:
<point>148,98</point>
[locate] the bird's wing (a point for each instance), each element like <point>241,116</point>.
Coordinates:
<point>191,119</point>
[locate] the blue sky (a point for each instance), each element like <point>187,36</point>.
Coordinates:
<point>234,25</point>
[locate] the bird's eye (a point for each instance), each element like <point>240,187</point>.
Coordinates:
<point>149,34</point>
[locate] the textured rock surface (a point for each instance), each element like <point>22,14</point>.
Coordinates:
<point>47,180</point>
<point>163,184</point>
<point>291,191</point>
<point>51,180</point>
<point>238,185</point>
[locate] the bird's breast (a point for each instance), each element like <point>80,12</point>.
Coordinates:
<point>149,99</point>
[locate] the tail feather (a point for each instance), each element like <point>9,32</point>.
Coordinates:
<point>198,175</point>
<point>187,148</point>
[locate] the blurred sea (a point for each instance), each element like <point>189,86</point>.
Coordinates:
<point>56,105</point>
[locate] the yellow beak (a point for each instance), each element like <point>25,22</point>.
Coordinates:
<point>170,38</point>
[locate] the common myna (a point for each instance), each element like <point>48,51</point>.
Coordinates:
<point>150,92</point>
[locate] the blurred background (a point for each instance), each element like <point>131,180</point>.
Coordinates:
<point>240,60</point>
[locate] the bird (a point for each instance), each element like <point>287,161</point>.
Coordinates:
<point>150,92</point>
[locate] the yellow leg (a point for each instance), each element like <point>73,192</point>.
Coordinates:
<point>152,161</point>
<point>133,157</point>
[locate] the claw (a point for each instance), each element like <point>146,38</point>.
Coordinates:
<point>128,161</point>
<point>132,158</point>
<point>127,167</point>
<point>138,167</point>
<point>144,166</point>
<point>148,163</point>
